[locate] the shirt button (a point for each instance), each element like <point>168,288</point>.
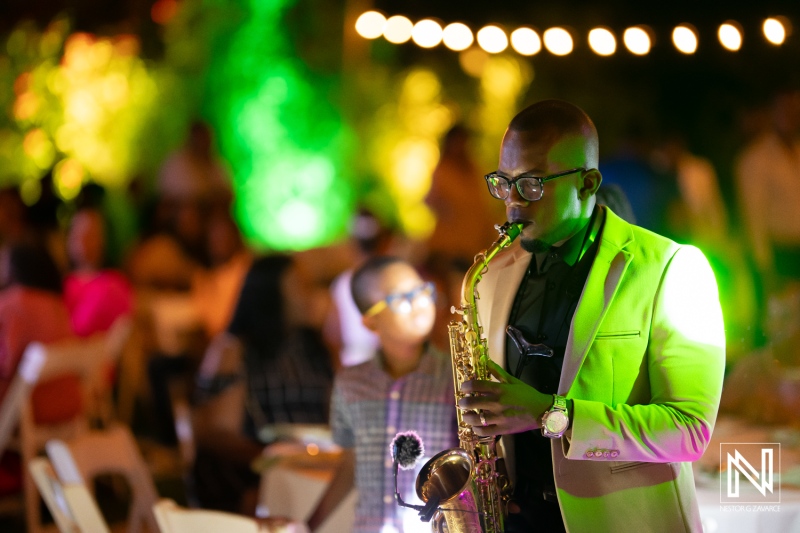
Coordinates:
<point>388,499</point>
<point>391,429</point>
<point>541,337</point>
<point>551,285</point>
<point>394,395</point>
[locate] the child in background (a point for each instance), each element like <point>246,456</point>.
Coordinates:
<point>407,385</point>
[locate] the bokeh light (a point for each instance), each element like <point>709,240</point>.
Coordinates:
<point>277,128</point>
<point>492,39</point>
<point>526,41</point>
<point>602,41</point>
<point>558,41</point>
<point>370,24</point>
<point>398,29</point>
<point>730,36</point>
<point>637,40</point>
<point>427,33</point>
<point>457,36</point>
<point>164,11</point>
<point>473,61</point>
<point>775,30</point>
<point>684,37</point>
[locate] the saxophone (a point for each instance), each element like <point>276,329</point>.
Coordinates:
<point>469,482</point>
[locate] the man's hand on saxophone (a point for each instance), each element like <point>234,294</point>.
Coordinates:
<point>507,406</point>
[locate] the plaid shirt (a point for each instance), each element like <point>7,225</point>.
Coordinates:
<point>368,409</point>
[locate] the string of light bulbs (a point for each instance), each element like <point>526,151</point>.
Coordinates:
<point>559,41</point>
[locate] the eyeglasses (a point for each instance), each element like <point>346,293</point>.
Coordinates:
<point>401,303</point>
<point>530,188</point>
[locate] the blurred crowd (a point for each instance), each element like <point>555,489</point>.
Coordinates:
<point>250,342</point>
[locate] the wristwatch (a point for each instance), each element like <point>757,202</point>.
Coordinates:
<point>556,420</point>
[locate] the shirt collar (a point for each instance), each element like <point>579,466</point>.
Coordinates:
<point>567,252</point>
<point>426,365</point>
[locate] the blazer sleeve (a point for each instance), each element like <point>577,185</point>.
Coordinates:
<point>685,360</point>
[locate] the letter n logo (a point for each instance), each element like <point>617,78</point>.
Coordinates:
<point>748,472</point>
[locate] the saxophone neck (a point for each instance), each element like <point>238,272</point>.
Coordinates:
<point>507,233</point>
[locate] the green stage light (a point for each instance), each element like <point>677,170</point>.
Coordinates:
<point>284,139</point>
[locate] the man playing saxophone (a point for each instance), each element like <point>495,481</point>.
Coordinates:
<point>607,345</point>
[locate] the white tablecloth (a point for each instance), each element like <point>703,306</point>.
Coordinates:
<point>294,493</point>
<point>718,518</point>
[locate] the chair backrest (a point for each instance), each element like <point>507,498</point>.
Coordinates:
<point>52,493</point>
<point>84,358</point>
<point>79,500</point>
<point>114,451</point>
<point>174,519</point>
<point>27,375</point>
<point>64,492</point>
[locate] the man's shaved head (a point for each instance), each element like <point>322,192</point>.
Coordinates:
<point>556,119</point>
<point>547,138</point>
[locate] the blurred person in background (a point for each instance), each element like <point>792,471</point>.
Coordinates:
<point>464,220</point>
<point>216,289</point>
<point>768,185</point>
<point>194,174</point>
<point>95,296</point>
<point>32,309</point>
<point>287,372</point>
<point>169,254</point>
<point>344,329</point>
<point>630,169</point>
<point>14,226</point>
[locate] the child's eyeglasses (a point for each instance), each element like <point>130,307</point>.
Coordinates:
<point>401,303</point>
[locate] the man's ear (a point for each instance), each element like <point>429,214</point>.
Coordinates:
<point>591,182</point>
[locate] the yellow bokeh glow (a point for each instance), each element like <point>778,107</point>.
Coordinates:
<point>558,41</point>
<point>38,147</point>
<point>398,29</point>
<point>370,25</point>
<point>685,39</point>
<point>492,39</point>
<point>473,61</point>
<point>68,176</point>
<point>602,41</point>
<point>427,33</point>
<point>457,37</point>
<point>774,31</point>
<point>637,40</point>
<point>526,41</point>
<point>730,36</point>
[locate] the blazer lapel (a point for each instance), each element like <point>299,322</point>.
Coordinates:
<point>604,278</point>
<point>503,289</point>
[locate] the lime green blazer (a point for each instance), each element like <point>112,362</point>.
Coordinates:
<point>644,366</point>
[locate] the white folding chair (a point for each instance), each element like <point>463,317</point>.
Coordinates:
<point>83,358</point>
<point>114,451</point>
<point>174,519</point>
<point>64,491</point>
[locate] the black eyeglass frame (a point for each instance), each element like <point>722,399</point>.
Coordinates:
<point>514,182</point>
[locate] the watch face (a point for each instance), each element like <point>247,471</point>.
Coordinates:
<point>556,422</point>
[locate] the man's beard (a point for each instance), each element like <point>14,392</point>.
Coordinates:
<point>534,246</point>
